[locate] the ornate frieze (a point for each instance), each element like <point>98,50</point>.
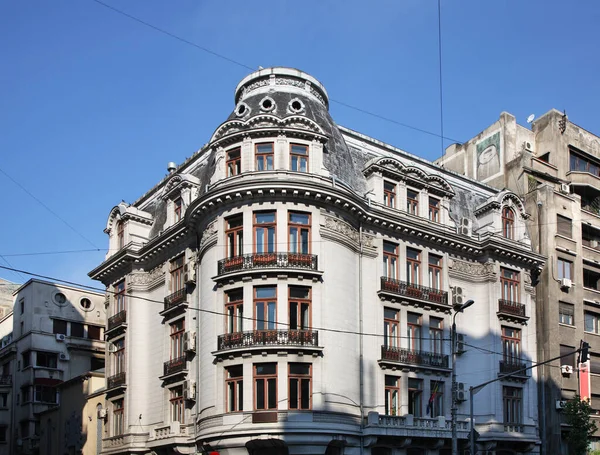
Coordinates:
<point>209,233</point>
<point>475,271</point>
<point>342,232</point>
<point>148,280</point>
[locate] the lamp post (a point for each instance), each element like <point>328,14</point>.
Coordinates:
<point>457,309</point>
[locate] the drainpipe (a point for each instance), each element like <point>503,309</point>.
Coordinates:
<point>197,317</point>
<point>544,370</point>
<point>360,330</point>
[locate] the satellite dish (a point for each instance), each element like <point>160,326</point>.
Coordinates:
<point>530,118</point>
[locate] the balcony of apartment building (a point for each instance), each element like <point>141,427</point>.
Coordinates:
<point>115,382</point>
<point>6,381</point>
<point>425,297</point>
<point>175,302</point>
<point>116,324</point>
<point>276,339</point>
<point>120,443</point>
<point>259,263</point>
<point>590,241</point>
<point>591,281</point>
<point>173,433</point>
<point>590,196</point>
<point>512,365</point>
<point>177,366</point>
<point>413,359</point>
<point>512,311</point>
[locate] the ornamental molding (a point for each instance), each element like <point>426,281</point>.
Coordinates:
<point>503,198</point>
<point>147,280</point>
<point>340,231</point>
<point>473,271</point>
<point>282,81</point>
<point>209,236</point>
<point>177,183</point>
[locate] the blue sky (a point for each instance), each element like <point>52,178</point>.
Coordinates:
<point>95,104</point>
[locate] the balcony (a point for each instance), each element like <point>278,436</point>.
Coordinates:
<point>511,311</point>
<point>414,428</point>
<point>116,321</point>
<point>421,359</point>
<point>261,261</point>
<point>116,381</point>
<point>176,300</point>
<point>175,366</point>
<point>5,380</point>
<point>511,366</point>
<point>262,338</point>
<point>426,297</point>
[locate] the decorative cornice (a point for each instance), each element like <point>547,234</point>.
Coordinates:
<point>338,230</point>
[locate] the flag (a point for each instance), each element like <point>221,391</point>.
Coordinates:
<point>432,397</point>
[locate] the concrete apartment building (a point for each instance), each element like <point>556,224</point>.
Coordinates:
<point>554,167</point>
<point>289,289</point>
<point>55,333</point>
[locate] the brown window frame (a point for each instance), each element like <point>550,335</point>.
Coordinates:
<point>119,360</point>
<point>510,282</point>
<point>233,165</point>
<point>391,328</point>
<point>511,345</point>
<point>299,157</point>
<point>436,280</point>
<point>414,331</point>
<point>392,387</point>
<point>415,397</point>
<point>177,404</point>
<point>389,194</point>
<point>299,302</point>
<point>297,247</point>
<point>177,209</point>
<point>234,311</point>
<point>413,267</point>
<point>268,378</point>
<point>266,301</point>
<point>120,297</point>
<point>120,234</point>
<point>508,223</point>
<point>391,260</point>
<point>176,266</point>
<point>265,226</point>
<point>234,235</point>
<point>234,389</point>
<point>118,410</point>
<point>412,203</point>
<point>300,396</point>
<point>177,332</point>
<point>512,404</point>
<point>436,335</point>
<point>434,209</point>
<point>264,157</point>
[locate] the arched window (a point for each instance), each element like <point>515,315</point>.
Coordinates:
<point>508,223</point>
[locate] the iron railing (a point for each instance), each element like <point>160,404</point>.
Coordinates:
<point>6,379</point>
<point>512,365</point>
<point>117,319</point>
<point>174,299</point>
<point>414,290</point>
<point>515,308</point>
<point>284,337</point>
<point>267,260</point>
<point>422,358</point>
<point>175,366</point>
<point>115,381</point>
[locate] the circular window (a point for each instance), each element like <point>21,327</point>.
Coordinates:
<point>60,298</point>
<point>296,106</point>
<point>86,304</point>
<point>267,104</point>
<point>242,109</point>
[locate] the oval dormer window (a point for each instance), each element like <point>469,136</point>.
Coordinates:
<point>267,104</point>
<point>242,110</point>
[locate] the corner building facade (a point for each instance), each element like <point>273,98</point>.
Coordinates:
<point>308,274</point>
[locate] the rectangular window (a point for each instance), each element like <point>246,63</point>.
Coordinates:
<point>118,417</point>
<point>177,206</point>
<point>300,386</point>
<point>26,359</point>
<point>45,394</point>
<point>299,232</point>
<point>511,345</point>
<point>391,328</point>
<point>120,234</point>
<point>234,310</point>
<point>265,307</point>
<point>264,157</point>
<point>299,158</point>
<point>46,359</point>
<point>3,429</point>
<point>299,308</point>
<point>435,271</point>
<point>580,164</point>
<point>390,260</point>
<point>177,332</point>
<point>412,201</point>
<point>234,162</point>
<point>564,269</point>
<point>569,353</point>
<point>77,329</point>
<point>435,406</point>
<point>118,363</point>
<point>415,397</point>
<point>22,305</point>
<point>265,386</point>
<point>234,233</point>
<point>564,226</point>
<point>120,297</point>
<point>94,332</point>
<point>513,406</point>
<point>508,223</point>
<point>436,335</point>
<point>389,194</point>
<point>26,394</point>
<point>510,285</point>
<point>414,323</point>
<point>234,384</point>
<point>392,395</point>
<point>264,232</point>
<point>4,400</point>
<point>566,312</point>
<point>177,283</point>
<point>434,209</point>
<point>413,266</point>
<point>59,326</point>
<point>177,405</point>
<point>591,322</point>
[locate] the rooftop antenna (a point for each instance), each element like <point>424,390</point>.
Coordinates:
<point>530,118</point>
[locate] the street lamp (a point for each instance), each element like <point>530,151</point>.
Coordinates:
<point>457,309</point>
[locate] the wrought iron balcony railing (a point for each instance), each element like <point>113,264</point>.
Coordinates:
<point>514,308</point>
<point>267,260</point>
<point>174,299</point>
<point>284,337</point>
<point>117,380</point>
<point>512,366</point>
<point>414,290</point>
<point>117,319</point>
<point>408,356</point>
<point>175,366</point>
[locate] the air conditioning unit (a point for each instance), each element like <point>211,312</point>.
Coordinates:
<point>63,356</point>
<point>594,243</point>
<point>527,146</point>
<point>189,390</point>
<point>466,227</point>
<point>60,337</point>
<point>565,188</point>
<point>566,369</point>
<point>460,343</point>
<point>111,348</point>
<point>189,341</point>
<point>565,283</point>
<point>561,404</point>
<point>102,413</point>
<point>461,392</point>
<point>458,296</point>
<point>189,273</point>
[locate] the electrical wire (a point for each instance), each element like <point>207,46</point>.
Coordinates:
<point>441,87</point>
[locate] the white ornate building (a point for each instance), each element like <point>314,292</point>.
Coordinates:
<point>287,289</point>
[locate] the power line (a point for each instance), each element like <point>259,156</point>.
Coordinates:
<point>10,265</point>
<point>440,65</point>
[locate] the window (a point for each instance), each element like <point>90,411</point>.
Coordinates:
<point>391,328</point>
<point>264,232</point>
<point>564,226</point>
<point>4,400</point>
<point>392,395</point>
<point>414,331</point>
<point>511,345</point>
<point>435,406</point>
<point>299,158</point>
<point>510,285</point>
<point>434,209</point>
<point>234,383</point>
<point>3,429</point>
<point>118,417</point>
<point>265,307</point>
<point>120,234</point>
<point>177,283</point>
<point>94,332</point>
<point>177,331</point>
<point>591,279</point>
<point>120,297</point>
<point>569,353</point>
<point>565,313</point>
<point>26,394</point>
<point>264,157</point>
<point>234,162</point>
<point>85,303</point>
<point>565,269</point>
<point>26,359</point>
<point>415,391</point>
<point>436,335</point>
<point>580,164</point>
<point>299,384</point>
<point>119,356</point>
<point>390,260</point>
<point>389,194</point>
<point>177,206</point>
<point>412,201</point>
<point>435,271</point>
<point>299,232</point>
<point>508,223</point>
<point>299,308</point>
<point>234,234</point>
<point>45,394</point>
<point>77,329</point>
<point>512,405</point>
<point>591,322</point>
<point>177,405</point>
<point>234,310</point>
<point>24,429</point>
<point>413,266</point>
<point>265,386</point>
<point>59,326</point>
<point>22,305</point>
<point>46,360</point>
